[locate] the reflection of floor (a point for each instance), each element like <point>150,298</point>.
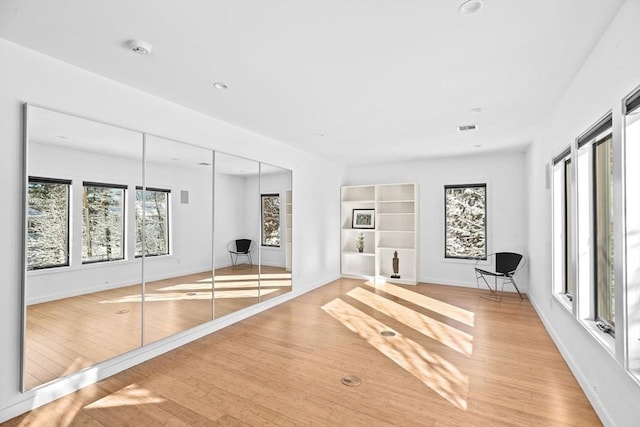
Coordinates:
<point>70,334</point>
<point>456,359</point>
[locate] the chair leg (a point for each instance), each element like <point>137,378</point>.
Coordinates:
<point>513,282</point>
<point>495,296</point>
<point>233,264</point>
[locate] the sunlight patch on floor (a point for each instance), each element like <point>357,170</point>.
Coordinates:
<point>451,337</point>
<point>438,374</point>
<point>128,396</point>
<point>451,311</point>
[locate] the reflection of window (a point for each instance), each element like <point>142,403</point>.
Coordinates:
<point>465,221</point>
<point>102,222</point>
<point>152,204</point>
<point>47,223</point>
<point>271,220</point>
<point>563,214</point>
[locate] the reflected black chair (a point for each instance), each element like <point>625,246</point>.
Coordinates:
<point>240,247</point>
<point>506,264</point>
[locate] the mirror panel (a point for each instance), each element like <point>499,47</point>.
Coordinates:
<point>82,282</point>
<point>176,207</point>
<point>237,214</point>
<point>276,231</point>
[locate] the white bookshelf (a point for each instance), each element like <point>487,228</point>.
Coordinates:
<point>396,229</point>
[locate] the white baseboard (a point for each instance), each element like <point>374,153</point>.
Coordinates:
<point>593,398</point>
<point>105,287</point>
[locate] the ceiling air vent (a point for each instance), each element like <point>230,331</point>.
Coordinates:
<point>467,128</point>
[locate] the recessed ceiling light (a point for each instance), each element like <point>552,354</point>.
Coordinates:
<point>204,164</point>
<point>63,137</point>
<point>319,135</point>
<point>478,145</point>
<point>140,47</point>
<point>469,7</point>
<point>476,110</point>
<point>220,85</point>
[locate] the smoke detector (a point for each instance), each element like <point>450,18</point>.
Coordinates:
<point>467,128</point>
<point>470,7</point>
<point>140,47</point>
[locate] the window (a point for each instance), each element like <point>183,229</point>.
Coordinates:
<point>271,220</point>
<point>102,222</point>
<point>152,211</point>
<point>47,223</point>
<point>596,228</point>
<point>563,218</point>
<point>465,221</point>
<point>603,189</point>
<point>632,218</point>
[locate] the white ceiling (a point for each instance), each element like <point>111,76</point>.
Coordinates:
<point>381,80</point>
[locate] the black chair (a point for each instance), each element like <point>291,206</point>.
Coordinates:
<point>506,264</point>
<point>240,247</point>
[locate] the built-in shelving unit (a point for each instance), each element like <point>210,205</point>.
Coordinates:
<point>396,227</point>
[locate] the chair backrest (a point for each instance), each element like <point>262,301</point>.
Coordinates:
<point>243,245</point>
<point>507,262</point>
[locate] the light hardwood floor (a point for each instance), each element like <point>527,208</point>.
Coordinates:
<point>67,335</point>
<point>456,360</point>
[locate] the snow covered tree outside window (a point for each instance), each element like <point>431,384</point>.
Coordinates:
<point>465,221</point>
<point>102,222</point>
<point>271,220</point>
<point>47,223</point>
<point>152,206</point>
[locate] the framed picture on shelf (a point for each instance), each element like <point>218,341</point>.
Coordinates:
<point>363,218</point>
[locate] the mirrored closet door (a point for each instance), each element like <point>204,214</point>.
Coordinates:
<point>237,233</point>
<point>82,285</point>
<point>276,231</point>
<point>175,204</point>
<point>131,238</point>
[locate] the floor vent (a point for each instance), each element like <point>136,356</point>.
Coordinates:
<point>351,380</point>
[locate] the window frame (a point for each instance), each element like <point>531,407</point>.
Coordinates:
<point>563,181</point>
<point>168,223</point>
<point>586,184</point>
<point>123,229</point>
<point>484,224</point>
<point>262,233</point>
<point>45,180</point>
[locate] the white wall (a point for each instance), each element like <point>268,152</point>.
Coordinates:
<point>27,76</point>
<point>611,72</point>
<point>506,207</point>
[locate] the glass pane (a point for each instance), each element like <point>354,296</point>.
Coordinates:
<point>568,227</point>
<point>271,220</point>
<point>152,222</point>
<point>465,221</point>
<point>47,224</point>
<point>174,220</point>
<point>632,178</point>
<point>275,252</point>
<point>237,236</point>
<point>103,223</point>
<point>80,314</point>
<point>605,283</point>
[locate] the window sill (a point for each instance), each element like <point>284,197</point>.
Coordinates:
<point>565,302</point>
<point>606,340</point>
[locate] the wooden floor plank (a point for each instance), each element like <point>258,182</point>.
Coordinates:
<point>284,366</point>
